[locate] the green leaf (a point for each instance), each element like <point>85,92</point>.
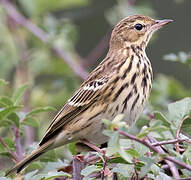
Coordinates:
<point>49,156</point>
<point>19,93</point>
<point>113,144</point>
<point>41,109</point>
<point>89,170</point>
<point>29,121</point>
<point>140,148</point>
<point>124,169</point>
<point>72,148</point>
<point>4,112</point>
<point>6,101</point>
<point>29,175</point>
<point>52,175</point>
<point>163,176</point>
<point>133,152</point>
<point>53,166</point>
<point>148,163</point>
<point>118,160</point>
<point>15,118</point>
<point>186,127</point>
<point>125,155</point>
<point>161,117</point>
<point>48,176</point>
<point>9,143</point>
<point>178,110</point>
<point>34,165</point>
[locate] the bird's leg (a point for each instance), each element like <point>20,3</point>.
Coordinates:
<point>92,146</point>
<point>104,158</point>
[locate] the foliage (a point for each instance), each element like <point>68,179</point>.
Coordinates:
<point>36,77</point>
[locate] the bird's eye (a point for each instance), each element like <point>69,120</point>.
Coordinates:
<point>138,27</point>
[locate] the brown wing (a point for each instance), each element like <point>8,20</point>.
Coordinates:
<point>79,102</point>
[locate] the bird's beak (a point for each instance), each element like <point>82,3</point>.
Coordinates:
<point>159,23</point>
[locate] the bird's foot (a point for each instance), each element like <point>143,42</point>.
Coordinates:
<point>93,146</point>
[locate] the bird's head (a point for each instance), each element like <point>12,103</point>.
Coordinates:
<point>136,29</point>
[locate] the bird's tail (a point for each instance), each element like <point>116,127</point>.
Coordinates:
<point>28,159</point>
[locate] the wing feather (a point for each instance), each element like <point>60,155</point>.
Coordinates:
<point>79,102</point>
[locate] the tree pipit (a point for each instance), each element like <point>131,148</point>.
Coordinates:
<point>120,84</point>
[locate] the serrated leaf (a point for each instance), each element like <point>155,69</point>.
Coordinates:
<point>47,176</point>
<point>53,166</point>
<point>125,170</point>
<point>113,144</point>
<point>148,163</point>
<point>15,118</point>
<point>29,175</point>
<point>178,110</point>
<point>29,121</point>
<point>89,169</point>
<point>41,109</point>
<point>4,112</point>
<point>186,127</point>
<point>163,176</point>
<point>34,165</point>
<point>114,139</point>
<point>6,123</point>
<point>6,101</point>
<point>52,175</point>
<point>160,116</point>
<point>132,152</point>
<point>125,155</point>
<point>9,143</point>
<point>72,148</point>
<point>48,156</point>
<point>118,160</point>
<point>19,93</point>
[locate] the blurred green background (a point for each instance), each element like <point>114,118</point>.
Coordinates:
<point>81,30</point>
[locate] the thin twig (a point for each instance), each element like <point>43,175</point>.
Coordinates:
<point>173,141</point>
<point>142,141</point>
<point>95,175</point>
<point>104,167</point>
<point>14,156</point>
<point>171,165</point>
<point>178,133</point>
<point>18,147</point>
<point>39,33</point>
<point>186,178</point>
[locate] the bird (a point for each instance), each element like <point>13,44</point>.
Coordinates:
<point>120,84</point>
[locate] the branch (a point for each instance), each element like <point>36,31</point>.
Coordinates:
<point>186,178</point>
<point>171,165</point>
<point>39,33</point>
<point>104,168</point>
<point>77,165</point>
<point>18,147</point>
<point>173,141</point>
<point>14,156</point>
<point>178,133</point>
<point>153,148</point>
